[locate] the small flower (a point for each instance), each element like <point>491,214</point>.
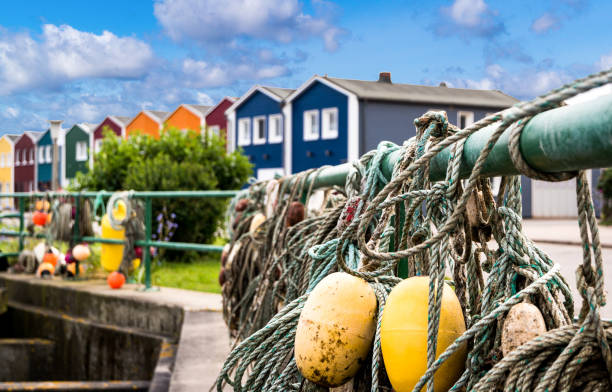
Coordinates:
<point>173,215</point>
<point>160,217</point>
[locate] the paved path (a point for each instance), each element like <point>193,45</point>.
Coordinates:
<point>561,231</point>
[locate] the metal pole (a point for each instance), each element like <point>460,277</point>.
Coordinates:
<point>146,249</point>
<point>21,222</point>
<point>568,138</point>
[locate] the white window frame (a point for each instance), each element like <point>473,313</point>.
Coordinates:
<point>2,159</point>
<point>17,157</point>
<point>81,151</point>
<point>275,137</point>
<point>97,145</point>
<point>32,155</point>
<point>311,128</point>
<point>9,159</point>
<point>327,132</point>
<point>48,153</point>
<point>214,130</point>
<point>469,118</point>
<point>257,140</point>
<point>41,154</point>
<point>244,131</point>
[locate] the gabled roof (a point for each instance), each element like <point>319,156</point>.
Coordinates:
<point>199,110</point>
<point>276,93</point>
<point>215,106</point>
<point>120,120</point>
<point>383,91</point>
<point>33,135</point>
<point>85,127</point>
<point>157,115</point>
<point>11,138</point>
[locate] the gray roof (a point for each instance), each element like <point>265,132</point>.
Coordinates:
<point>12,136</point>
<point>35,135</point>
<point>86,127</point>
<point>123,120</point>
<point>282,93</point>
<point>382,91</point>
<point>159,115</point>
<point>201,109</point>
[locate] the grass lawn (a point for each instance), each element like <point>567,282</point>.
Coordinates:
<point>199,275</point>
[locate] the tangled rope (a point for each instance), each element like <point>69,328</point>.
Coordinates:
<point>377,225</point>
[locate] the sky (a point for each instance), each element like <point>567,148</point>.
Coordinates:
<point>79,61</point>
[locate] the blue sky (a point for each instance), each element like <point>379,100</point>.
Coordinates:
<point>81,60</point>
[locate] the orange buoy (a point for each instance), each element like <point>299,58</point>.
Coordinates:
<point>50,258</point>
<point>115,280</point>
<point>39,218</point>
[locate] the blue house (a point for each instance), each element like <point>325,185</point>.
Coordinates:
<point>256,124</point>
<point>44,161</point>
<point>334,121</point>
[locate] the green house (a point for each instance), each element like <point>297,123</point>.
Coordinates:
<point>77,151</point>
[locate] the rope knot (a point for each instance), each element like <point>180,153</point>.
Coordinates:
<point>434,122</point>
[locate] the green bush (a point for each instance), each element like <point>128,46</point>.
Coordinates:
<point>176,161</point>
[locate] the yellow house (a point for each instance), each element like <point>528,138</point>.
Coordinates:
<point>7,147</point>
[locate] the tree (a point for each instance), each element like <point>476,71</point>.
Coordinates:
<point>176,161</point>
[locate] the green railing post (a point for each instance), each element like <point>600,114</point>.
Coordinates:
<point>146,251</point>
<point>76,232</point>
<point>21,222</point>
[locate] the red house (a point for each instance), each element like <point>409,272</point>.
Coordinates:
<point>25,162</point>
<point>116,124</point>
<point>215,116</point>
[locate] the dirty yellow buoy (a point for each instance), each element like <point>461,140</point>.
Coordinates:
<point>335,329</point>
<point>403,335</point>
<point>523,322</point>
<point>257,221</point>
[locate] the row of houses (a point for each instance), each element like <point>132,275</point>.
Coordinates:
<point>325,121</point>
<point>26,159</point>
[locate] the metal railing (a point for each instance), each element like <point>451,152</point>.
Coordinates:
<point>146,243</point>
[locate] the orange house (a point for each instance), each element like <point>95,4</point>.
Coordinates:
<point>192,117</point>
<point>147,122</point>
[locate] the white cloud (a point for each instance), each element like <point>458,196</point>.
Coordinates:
<point>469,17</point>
<point>220,22</point>
<point>468,12</point>
<point>605,62</point>
<point>525,84</point>
<point>200,74</point>
<point>545,23</point>
<point>63,54</point>
<point>11,112</point>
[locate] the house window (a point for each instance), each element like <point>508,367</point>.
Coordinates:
<point>9,159</point>
<point>41,154</point>
<point>275,128</point>
<point>330,123</point>
<point>214,130</point>
<point>465,119</point>
<point>17,162</point>
<point>97,145</point>
<point>81,151</point>
<point>259,130</point>
<point>311,125</point>
<point>48,154</point>
<point>2,158</point>
<point>244,131</point>
<point>32,155</point>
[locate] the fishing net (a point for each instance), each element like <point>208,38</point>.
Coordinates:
<point>455,231</point>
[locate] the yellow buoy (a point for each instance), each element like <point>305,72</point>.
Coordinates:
<point>335,330</point>
<point>403,335</point>
<point>111,254</point>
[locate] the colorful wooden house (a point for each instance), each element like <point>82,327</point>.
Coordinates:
<point>147,122</point>
<point>7,148</point>
<point>331,121</point>
<point>77,157</point>
<point>216,122</point>
<point>116,124</point>
<point>188,117</point>
<point>25,162</point>
<point>255,124</point>
<point>44,160</point>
